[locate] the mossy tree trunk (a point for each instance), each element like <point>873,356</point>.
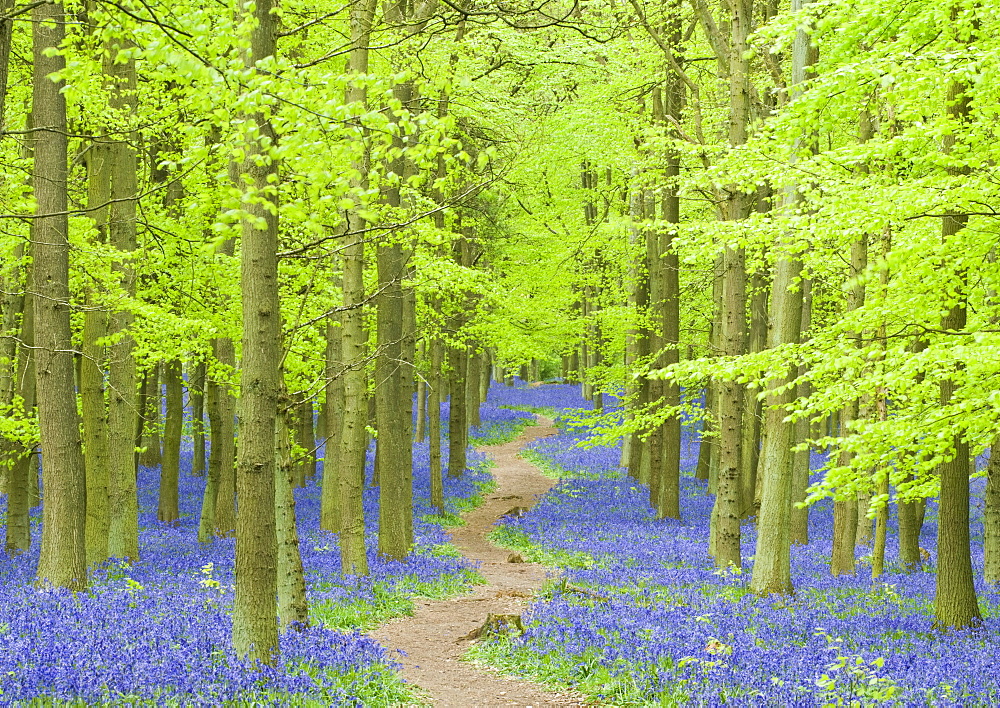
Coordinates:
<point>63,555</point>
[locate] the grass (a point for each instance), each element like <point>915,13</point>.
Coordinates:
<point>584,673</point>
<point>550,469</point>
<point>517,540</point>
<point>500,433</point>
<point>547,411</point>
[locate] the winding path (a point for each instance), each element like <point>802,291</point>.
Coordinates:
<point>431,642</point>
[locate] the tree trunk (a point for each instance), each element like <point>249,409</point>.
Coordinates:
<point>330,492</point>
<point>167,509</point>
<point>485,365</point>
<point>435,382</point>
<point>223,450</point>
<point>151,455</point>
<point>210,497</point>
<point>845,514</point>
<point>772,564</point>
<point>955,602</point>
<point>991,518</point>
<point>123,419</point>
<point>394,444</point>
<point>473,376</point>
<point>716,339</point>
<point>728,510</point>
<point>63,556</point>
<point>196,389</point>
<point>753,410</point>
<point>354,436</point>
<point>293,608</point>
<point>92,367</point>
<point>668,503</point>
<point>800,461</point>
<point>457,420</point>
<point>255,612</point>
<point>909,532</point>
<point>420,428</point>
<point>640,337</point>
<point>18,454</point>
<point>305,466</point>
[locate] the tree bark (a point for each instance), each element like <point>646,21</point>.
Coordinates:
<point>17,453</point>
<point>123,419</point>
<point>728,510</point>
<point>991,518</point>
<point>92,367</point>
<point>800,461</point>
<point>223,451</point>
<point>435,383</point>
<point>753,410</point>
<point>63,556</point>
<point>152,453</point>
<point>668,502</point>
<point>354,436</point>
<point>394,444</point>
<point>473,376</point>
<point>330,491</point>
<point>420,427</point>
<point>955,602</point>
<point>255,612</point>
<point>457,420</point>
<point>196,389</point>
<point>168,510</point>
<point>306,439</point>
<point>293,608</point>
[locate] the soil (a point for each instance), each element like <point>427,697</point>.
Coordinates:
<point>430,644</point>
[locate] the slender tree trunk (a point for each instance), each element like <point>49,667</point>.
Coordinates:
<point>800,461</point>
<point>640,339</point>
<point>210,497</point>
<point>909,533</point>
<point>474,374</point>
<point>668,503</point>
<point>6,36</point>
<point>196,388</point>
<point>457,418</point>
<point>420,430</point>
<point>845,511</point>
<point>354,436</point>
<point>168,510</point>
<point>220,420</point>
<point>991,518</point>
<point>92,367</point>
<point>881,489</point>
<point>330,492</point>
<point>306,439</point>
<point>772,563</point>
<point>728,503</point>
<point>63,556</point>
<point>435,383</point>
<point>123,419</point>
<point>255,612</point>
<point>16,453</point>
<point>845,514</point>
<point>753,410</point>
<point>394,444</point>
<point>485,365</point>
<point>151,455</point>
<point>224,442</point>
<point>293,608</point>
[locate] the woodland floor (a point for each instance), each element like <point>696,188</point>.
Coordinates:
<point>430,644</point>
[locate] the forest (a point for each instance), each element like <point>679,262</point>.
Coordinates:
<point>482,353</point>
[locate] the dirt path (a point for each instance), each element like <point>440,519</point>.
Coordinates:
<point>433,638</point>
